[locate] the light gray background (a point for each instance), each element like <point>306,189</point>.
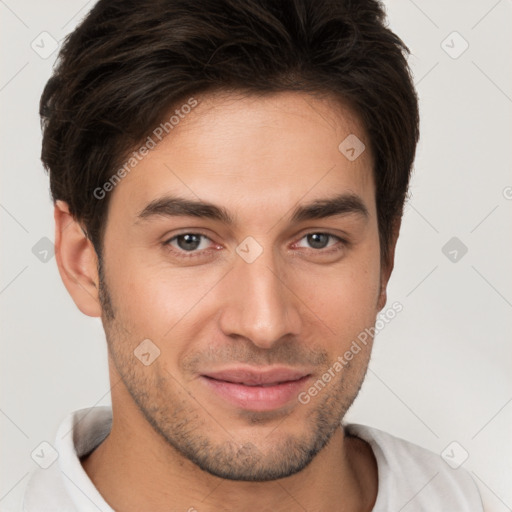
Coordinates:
<point>441,370</point>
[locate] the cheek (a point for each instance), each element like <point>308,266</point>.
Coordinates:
<point>345,296</point>
<point>160,302</point>
<point>157,299</point>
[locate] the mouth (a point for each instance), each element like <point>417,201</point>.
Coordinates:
<point>256,390</point>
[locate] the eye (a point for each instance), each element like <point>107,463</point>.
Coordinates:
<point>187,243</point>
<point>320,240</point>
<point>194,244</point>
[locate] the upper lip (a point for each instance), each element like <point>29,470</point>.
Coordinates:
<point>255,377</point>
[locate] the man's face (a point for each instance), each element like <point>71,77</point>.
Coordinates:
<point>269,292</point>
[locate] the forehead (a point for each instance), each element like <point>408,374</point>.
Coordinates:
<point>259,152</point>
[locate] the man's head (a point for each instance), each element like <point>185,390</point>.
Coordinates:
<point>294,124</point>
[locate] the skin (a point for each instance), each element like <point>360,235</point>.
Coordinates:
<point>175,444</point>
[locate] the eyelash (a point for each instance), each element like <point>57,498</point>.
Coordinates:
<point>193,254</point>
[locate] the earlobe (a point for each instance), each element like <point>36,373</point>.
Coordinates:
<point>386,272</point>
<point>77,261</point>
<point>383,297</point>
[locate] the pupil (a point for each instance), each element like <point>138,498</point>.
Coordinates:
<point>195,240</point>
<point>318,240</point>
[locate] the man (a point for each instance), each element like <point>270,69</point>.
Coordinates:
<point>229,178</point>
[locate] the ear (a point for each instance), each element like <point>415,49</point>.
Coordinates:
<point>386,270</point>
<point>77,261</point>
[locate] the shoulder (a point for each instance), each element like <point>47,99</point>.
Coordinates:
<point>412,476</point>
<point>42,490</point>
<point>62,484</point>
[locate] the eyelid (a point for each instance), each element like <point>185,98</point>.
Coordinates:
<point>330,235</point>
<point>191,254</point>
<point>187,254</point>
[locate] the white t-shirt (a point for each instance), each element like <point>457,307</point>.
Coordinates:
<point>411,478</point>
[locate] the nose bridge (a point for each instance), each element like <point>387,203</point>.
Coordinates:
<point>260,306</point>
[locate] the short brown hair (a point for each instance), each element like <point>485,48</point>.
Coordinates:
<point>130,62</point>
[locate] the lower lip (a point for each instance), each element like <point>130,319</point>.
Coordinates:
<point>256,398</point>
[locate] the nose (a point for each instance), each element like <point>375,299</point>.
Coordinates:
<point>260,304</point>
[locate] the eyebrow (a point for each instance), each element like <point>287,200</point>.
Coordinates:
<point>173,206</point>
